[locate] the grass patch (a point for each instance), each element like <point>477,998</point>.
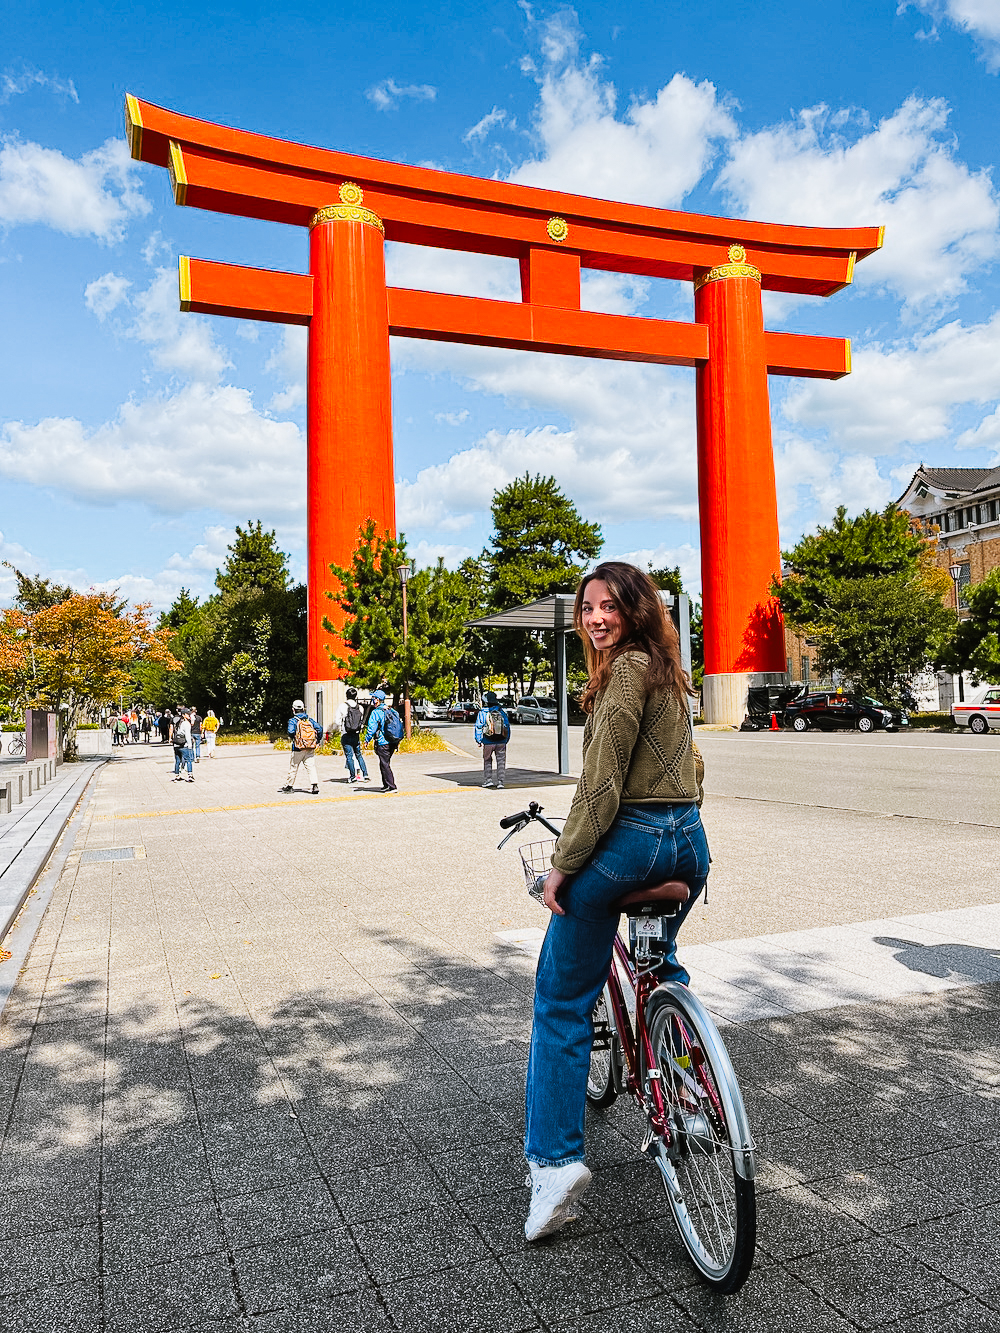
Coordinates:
<point>243,738</point>
<point>422,740</point>
<point>939,721</point>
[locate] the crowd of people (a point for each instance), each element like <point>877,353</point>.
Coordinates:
<point>181,727</point>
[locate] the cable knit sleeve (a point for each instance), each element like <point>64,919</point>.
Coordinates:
<point>616,722</point>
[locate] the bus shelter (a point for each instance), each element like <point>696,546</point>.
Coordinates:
<point>555,613</point>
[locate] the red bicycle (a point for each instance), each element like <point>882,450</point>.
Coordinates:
<point>655,1041</point>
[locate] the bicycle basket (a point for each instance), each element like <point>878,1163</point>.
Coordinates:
<point>536,861</point>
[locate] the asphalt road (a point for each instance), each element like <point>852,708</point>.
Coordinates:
<point>825,829</point>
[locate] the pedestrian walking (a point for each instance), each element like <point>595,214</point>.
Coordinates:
<point>183,753</point>
<point>385,728</point>
<point>120,729</point>
<point>209,728</point>
<point>349,719</point>
<point>493,733</point>
<point>306,734</point>
<point>196,725</point>
<point>146,726</point>
<point>164,724</point>
<point>633,821</point>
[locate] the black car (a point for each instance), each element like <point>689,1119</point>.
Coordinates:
<point>830,711</point>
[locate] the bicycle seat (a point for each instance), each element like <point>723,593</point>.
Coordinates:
<point>652,901</point>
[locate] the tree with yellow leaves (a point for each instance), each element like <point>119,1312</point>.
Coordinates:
<point>76,655</point>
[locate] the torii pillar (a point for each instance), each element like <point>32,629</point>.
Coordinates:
<point>352,204</point>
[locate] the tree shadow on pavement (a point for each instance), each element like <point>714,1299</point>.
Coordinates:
<point>242,1155</point>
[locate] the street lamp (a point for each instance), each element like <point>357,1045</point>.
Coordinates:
<point>956,574</point>
<point>404,575</point>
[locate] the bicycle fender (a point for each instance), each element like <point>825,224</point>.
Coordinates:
<point>729,1090</point>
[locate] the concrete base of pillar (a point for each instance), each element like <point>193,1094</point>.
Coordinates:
<point>323,698</point>
<point>724,698</point>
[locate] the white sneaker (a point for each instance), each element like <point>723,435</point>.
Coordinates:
<point>554,1191</point>
<point>499,786</point>
<point>488,782</point>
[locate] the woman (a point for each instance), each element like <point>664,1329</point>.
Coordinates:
<point>210,728</point>
<point>633,821</point>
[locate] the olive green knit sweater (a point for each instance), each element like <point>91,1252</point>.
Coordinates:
<point>637,750</point>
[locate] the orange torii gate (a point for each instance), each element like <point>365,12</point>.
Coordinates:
<point>352,205</point>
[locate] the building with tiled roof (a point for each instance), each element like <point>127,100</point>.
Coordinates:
<point>960,507</point>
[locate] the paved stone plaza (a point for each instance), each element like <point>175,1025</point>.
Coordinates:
<point>262,1070</point>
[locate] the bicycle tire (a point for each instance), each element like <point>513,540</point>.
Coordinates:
<point>602,1085</point>
<point>708,1165</point>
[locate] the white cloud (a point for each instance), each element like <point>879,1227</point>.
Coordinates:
<point>684,557</point>
<point>629,452</point>
<point>905,394</point>
<point>941,218</point>
<point>15,554</point>
<point>452,418</point>
<point>105,294</point>
<point>387,95</point>
<point>93,196</point>
<point>482,127</point>
<point>655,153</point>
<point>453,271</point>
<point>182,343</point>
<point>287,363</point>
<point>812,482</point>
<point>427,554</point>
<point>979,18</point>
<point>202,448</point>
<point>14,85</point>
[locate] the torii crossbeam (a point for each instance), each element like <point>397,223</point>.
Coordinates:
<point>352,205</point>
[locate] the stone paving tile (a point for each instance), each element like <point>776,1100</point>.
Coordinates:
<point>883,1198</point>
<point>299,1270</point>
<point>874,1282</point>
<point>349,1312</point>
<point>35,1258</point>
<point>427,1240</point>
<point>389,1190</point>
<point>968,1316</point>
<point>964,1176</point>
<point>286,1210</point>
<point>474,1298</point>
<point>578,1276</point>
<point>773,1301</point>
<point>963,1248</point>
<point>160,1234</point>
<point>72,1307</point>
<point>798,1221</point>
<point>153,1298</point>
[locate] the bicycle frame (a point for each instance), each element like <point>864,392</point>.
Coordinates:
<point>632,1041</point>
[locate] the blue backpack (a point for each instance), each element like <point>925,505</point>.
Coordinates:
<point>392,727</point>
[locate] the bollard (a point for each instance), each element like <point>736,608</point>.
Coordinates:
<point>29,782</point>
<point>20,788</point>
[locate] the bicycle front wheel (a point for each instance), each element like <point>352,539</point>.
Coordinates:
<point>706,1157</point>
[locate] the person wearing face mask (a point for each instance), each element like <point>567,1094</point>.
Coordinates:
<point>634,821</point>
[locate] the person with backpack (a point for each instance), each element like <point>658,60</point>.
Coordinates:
<point>493,733</point>
<point>306,734</point>
<point>385,728</point>
<point>183,753</point>
<point>349,719</point>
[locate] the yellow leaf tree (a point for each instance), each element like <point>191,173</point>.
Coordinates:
<point>76,656</point>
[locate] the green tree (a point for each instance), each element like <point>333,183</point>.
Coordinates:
<point>243,650</point>
<point>371,598</point>
<point>867,592</point>
<point>975,646</point>
<point>667,579</point>
<point>254,561</point>
<point>540,545</point>
<point>35,593</point>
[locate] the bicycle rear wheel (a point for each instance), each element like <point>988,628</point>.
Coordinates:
<point>706,1160</point>
<point>602,1085</point>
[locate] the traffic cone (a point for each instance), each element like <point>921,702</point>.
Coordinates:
<point>774,722</point>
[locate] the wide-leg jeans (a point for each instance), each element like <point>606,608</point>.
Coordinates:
<point>646,845</point>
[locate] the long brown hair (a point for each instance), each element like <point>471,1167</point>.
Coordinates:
<point>646,628</point>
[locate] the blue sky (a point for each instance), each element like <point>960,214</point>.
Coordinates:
<point>133,438</point>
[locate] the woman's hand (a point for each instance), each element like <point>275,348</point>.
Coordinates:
<point>553,883</point>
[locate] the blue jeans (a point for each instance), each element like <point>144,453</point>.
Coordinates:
<point>183,757</point>
<point>353,755</point>
<point>645,845</point>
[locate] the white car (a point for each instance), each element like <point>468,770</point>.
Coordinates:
<point>979,717</point>
<point>535,709</point>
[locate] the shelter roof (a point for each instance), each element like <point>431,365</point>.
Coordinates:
<point>552,612</point>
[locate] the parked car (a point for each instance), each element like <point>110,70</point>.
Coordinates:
<point>829,711</point>
<point>427,711</point>
<point>535,708</point>
<point>463,711</point>
<point>979,717</point>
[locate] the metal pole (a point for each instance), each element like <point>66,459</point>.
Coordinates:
<point>562,706</point>
<point>404,574</point>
